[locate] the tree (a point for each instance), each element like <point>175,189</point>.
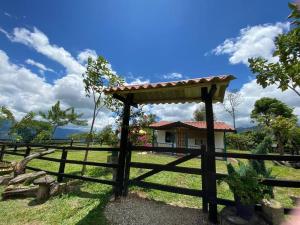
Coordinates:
<point>199,114</point>
<point>282,127</point>
<point>58,117</point>
<point>285,73</point>
<point>6,115</point>
<point>27,129</point>
<point>267,108</point>
<point>231,101</point>
<point>295,14</point>
<point>107,136</point>
<point>97,77</point>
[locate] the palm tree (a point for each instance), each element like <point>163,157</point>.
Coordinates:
<point>58,117</point>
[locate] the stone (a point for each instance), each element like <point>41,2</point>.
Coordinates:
<point>273,211</point>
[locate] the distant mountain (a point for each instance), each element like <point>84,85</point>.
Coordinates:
<point>244,129</point>
<point>59,133</point>
<point>4,129</point>
<point>65,132</point>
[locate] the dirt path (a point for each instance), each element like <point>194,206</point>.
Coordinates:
<point>135,210</point>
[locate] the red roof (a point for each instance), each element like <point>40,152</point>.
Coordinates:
<point>220,126</point>
<point>211,79</point>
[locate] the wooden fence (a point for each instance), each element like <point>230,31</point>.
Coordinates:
<point>123,181</point>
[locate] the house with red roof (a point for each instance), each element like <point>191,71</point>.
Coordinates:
<point>188,134</point>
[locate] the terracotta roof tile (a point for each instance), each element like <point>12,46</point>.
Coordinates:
<point>197,124</point>
<point>212,79</point>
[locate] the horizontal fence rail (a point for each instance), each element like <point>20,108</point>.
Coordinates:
<point>184,154</point>
<point>12,149</point>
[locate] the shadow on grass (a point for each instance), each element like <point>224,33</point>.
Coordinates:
<point>96,215</point>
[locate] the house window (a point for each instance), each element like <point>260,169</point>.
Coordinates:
<point>169,137</point>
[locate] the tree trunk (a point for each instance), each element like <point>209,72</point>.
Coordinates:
<point>233,118</point>
<point>83,170</point>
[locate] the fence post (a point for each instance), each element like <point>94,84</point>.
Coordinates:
<point>211,184</point>
<point>204,179</point>
<point>127,169</point>
<point>71,144</point>
<point>27,152</point>
<point>62,165</point>
<point>2,152</point>
<point>123,146</point>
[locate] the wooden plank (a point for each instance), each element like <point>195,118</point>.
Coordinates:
<point>14,153</point>
<point>62,165</point>
<point>293,158</point>
<point>2,152</point>
<point>173,163</point>
<point>179,169</point>
<point>91,179</point>
<point>167,188</point>
<point>210,179</point>
<point>204,180</point>
<point>27,152</point>
<point>123,146</point>
<point>127,169</point>
<point>166,149</point>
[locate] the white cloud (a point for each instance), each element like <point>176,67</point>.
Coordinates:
<point>255,41</point>
<point>22,90</point>
<point>172,76</point>
<point>38,65</point>
<point>85,54</point>
<point>40,42</point>
<point>7,14</point>
<point>250,92</point>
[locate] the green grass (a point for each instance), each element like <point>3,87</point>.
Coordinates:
<point>86,206</point>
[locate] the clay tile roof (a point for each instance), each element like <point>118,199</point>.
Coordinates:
<point>220,126</point>
<point>173,91</point>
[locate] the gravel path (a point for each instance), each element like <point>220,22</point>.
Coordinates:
<point>135,210</point>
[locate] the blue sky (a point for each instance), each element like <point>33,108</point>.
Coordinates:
<point>143,40</point>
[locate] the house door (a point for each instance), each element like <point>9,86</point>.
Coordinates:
<point>182,138</point>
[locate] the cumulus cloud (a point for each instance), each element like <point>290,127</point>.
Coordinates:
<point>250,92</point>
<point>38,65</point>
<point>85,54</point>
<point>172,76</point>
<point>255,41</point>
<point>24,91</point>
<point>40,42</point>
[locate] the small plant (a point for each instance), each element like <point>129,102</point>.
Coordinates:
<point>245,184</point>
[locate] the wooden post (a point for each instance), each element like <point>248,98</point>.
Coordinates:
<point>62,165</point>
<point>27,152</point>
<point>127,169</point>
<point>2,152</point>
<point>204,179</point>
<point>211,186</point>
<point>123,146</point>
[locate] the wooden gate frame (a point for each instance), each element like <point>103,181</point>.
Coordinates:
<point>186,91</point>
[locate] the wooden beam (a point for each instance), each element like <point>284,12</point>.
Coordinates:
<point>173,163</point>
<point>210,165</point>
<point>122,99</point>
<point>123,147</point>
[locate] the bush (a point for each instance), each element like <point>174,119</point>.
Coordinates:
<point>241,141</point>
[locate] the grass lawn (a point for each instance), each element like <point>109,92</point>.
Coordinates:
<point>86,206</point>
